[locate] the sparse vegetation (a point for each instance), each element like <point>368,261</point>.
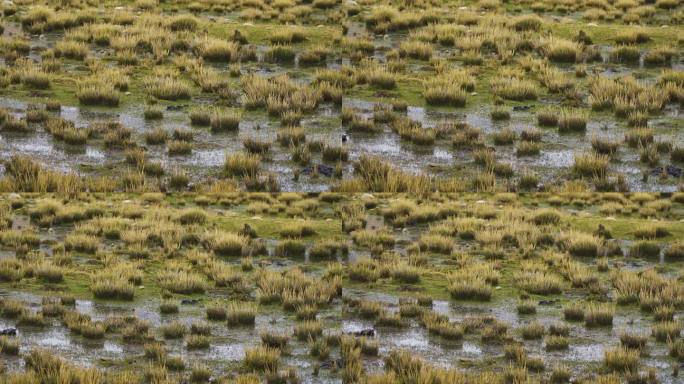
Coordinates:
<point>474,192</point>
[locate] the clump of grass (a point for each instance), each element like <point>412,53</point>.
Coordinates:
<point>274,340</point>
<point>32,319</point>
<point>212,49</point>
<point>71,50</point>
<point>381,78</point>
<point>200,116</point>
<point>290,248</point>
<point>625,54</point>
<point>547,117</point>
<point>182,282</point>
<point>533,330</point>
<point>98,92</point>
<point>500,113</point>
<point>255,146</point>
<point>179,148</point>
<point>216,312</point>
<point>197,342</point>
<point>666,330</point>
<point>227,244</point>
<point>49,273</point>
<point>156,136</point>
<point>632,340</point>
<point>168,307</point>
<point>572,120</point>
<point>241,313</point>
<point>261,359</point>
<point>561,50</point>
<point>296,230</point>
<point>153,112</point>
<point>290,136</point>
<point>175,330</point>
<point>117,289</point>
<point>560,374</point>
<point>527,307</point>
<point>574,312</point>
<point>168,88</point>
<point>225,120</point>
<point>242,165</point>
<point>546,217</point>
<point>473,289</point>
<point>9,345</point>
<point>676,348</point>
<point>590,165</point>
<point>604,146</point>
<point>621,359</point>
<point>514,89</point>
<point>328,249</point>
<point>308,330</point>
<point>446,94</point>
<point>556,343</point>
<point>12,309</point>
<point>675,251</point>
<point>280,54</point>
<point>335,153</point>
<point>599,314</point>
<point>645,248</point>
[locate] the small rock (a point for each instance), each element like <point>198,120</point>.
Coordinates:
<point>368,332</point>
<point>8,332</point>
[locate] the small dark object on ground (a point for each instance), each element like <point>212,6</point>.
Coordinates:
<point>321,169</point>
<point>547,302</point>
<point>8,332</point>
<point>369,332</point>
<point>603,232</point>
<point>522,107</point>
<point>248,231</point>
<point>670,170</point>
<point>332,364</point>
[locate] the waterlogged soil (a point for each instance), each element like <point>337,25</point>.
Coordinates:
<point>209,148</point>
<point>228,344</point>
<point>587,345</point>
<point>552,165</point>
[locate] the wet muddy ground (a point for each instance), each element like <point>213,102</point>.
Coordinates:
<point>552,165</point>
<point>587,345</point>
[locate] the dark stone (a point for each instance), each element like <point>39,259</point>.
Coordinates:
<point>321,169</point>
<point>670,170</point>
<point>332,364</point>
<point>547,302</point>
<point>521,107</point>
<point>370,332</point>
<point>8,332</point>
<point>189,302</point>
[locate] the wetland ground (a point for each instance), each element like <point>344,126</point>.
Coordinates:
<point>345,96</point>
<point>333,288</point>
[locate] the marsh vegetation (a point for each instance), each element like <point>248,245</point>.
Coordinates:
<point>383,288</point>
<point>227,96</point>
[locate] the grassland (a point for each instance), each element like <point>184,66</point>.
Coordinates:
<point>328,287</point>
<point>208,95</point>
